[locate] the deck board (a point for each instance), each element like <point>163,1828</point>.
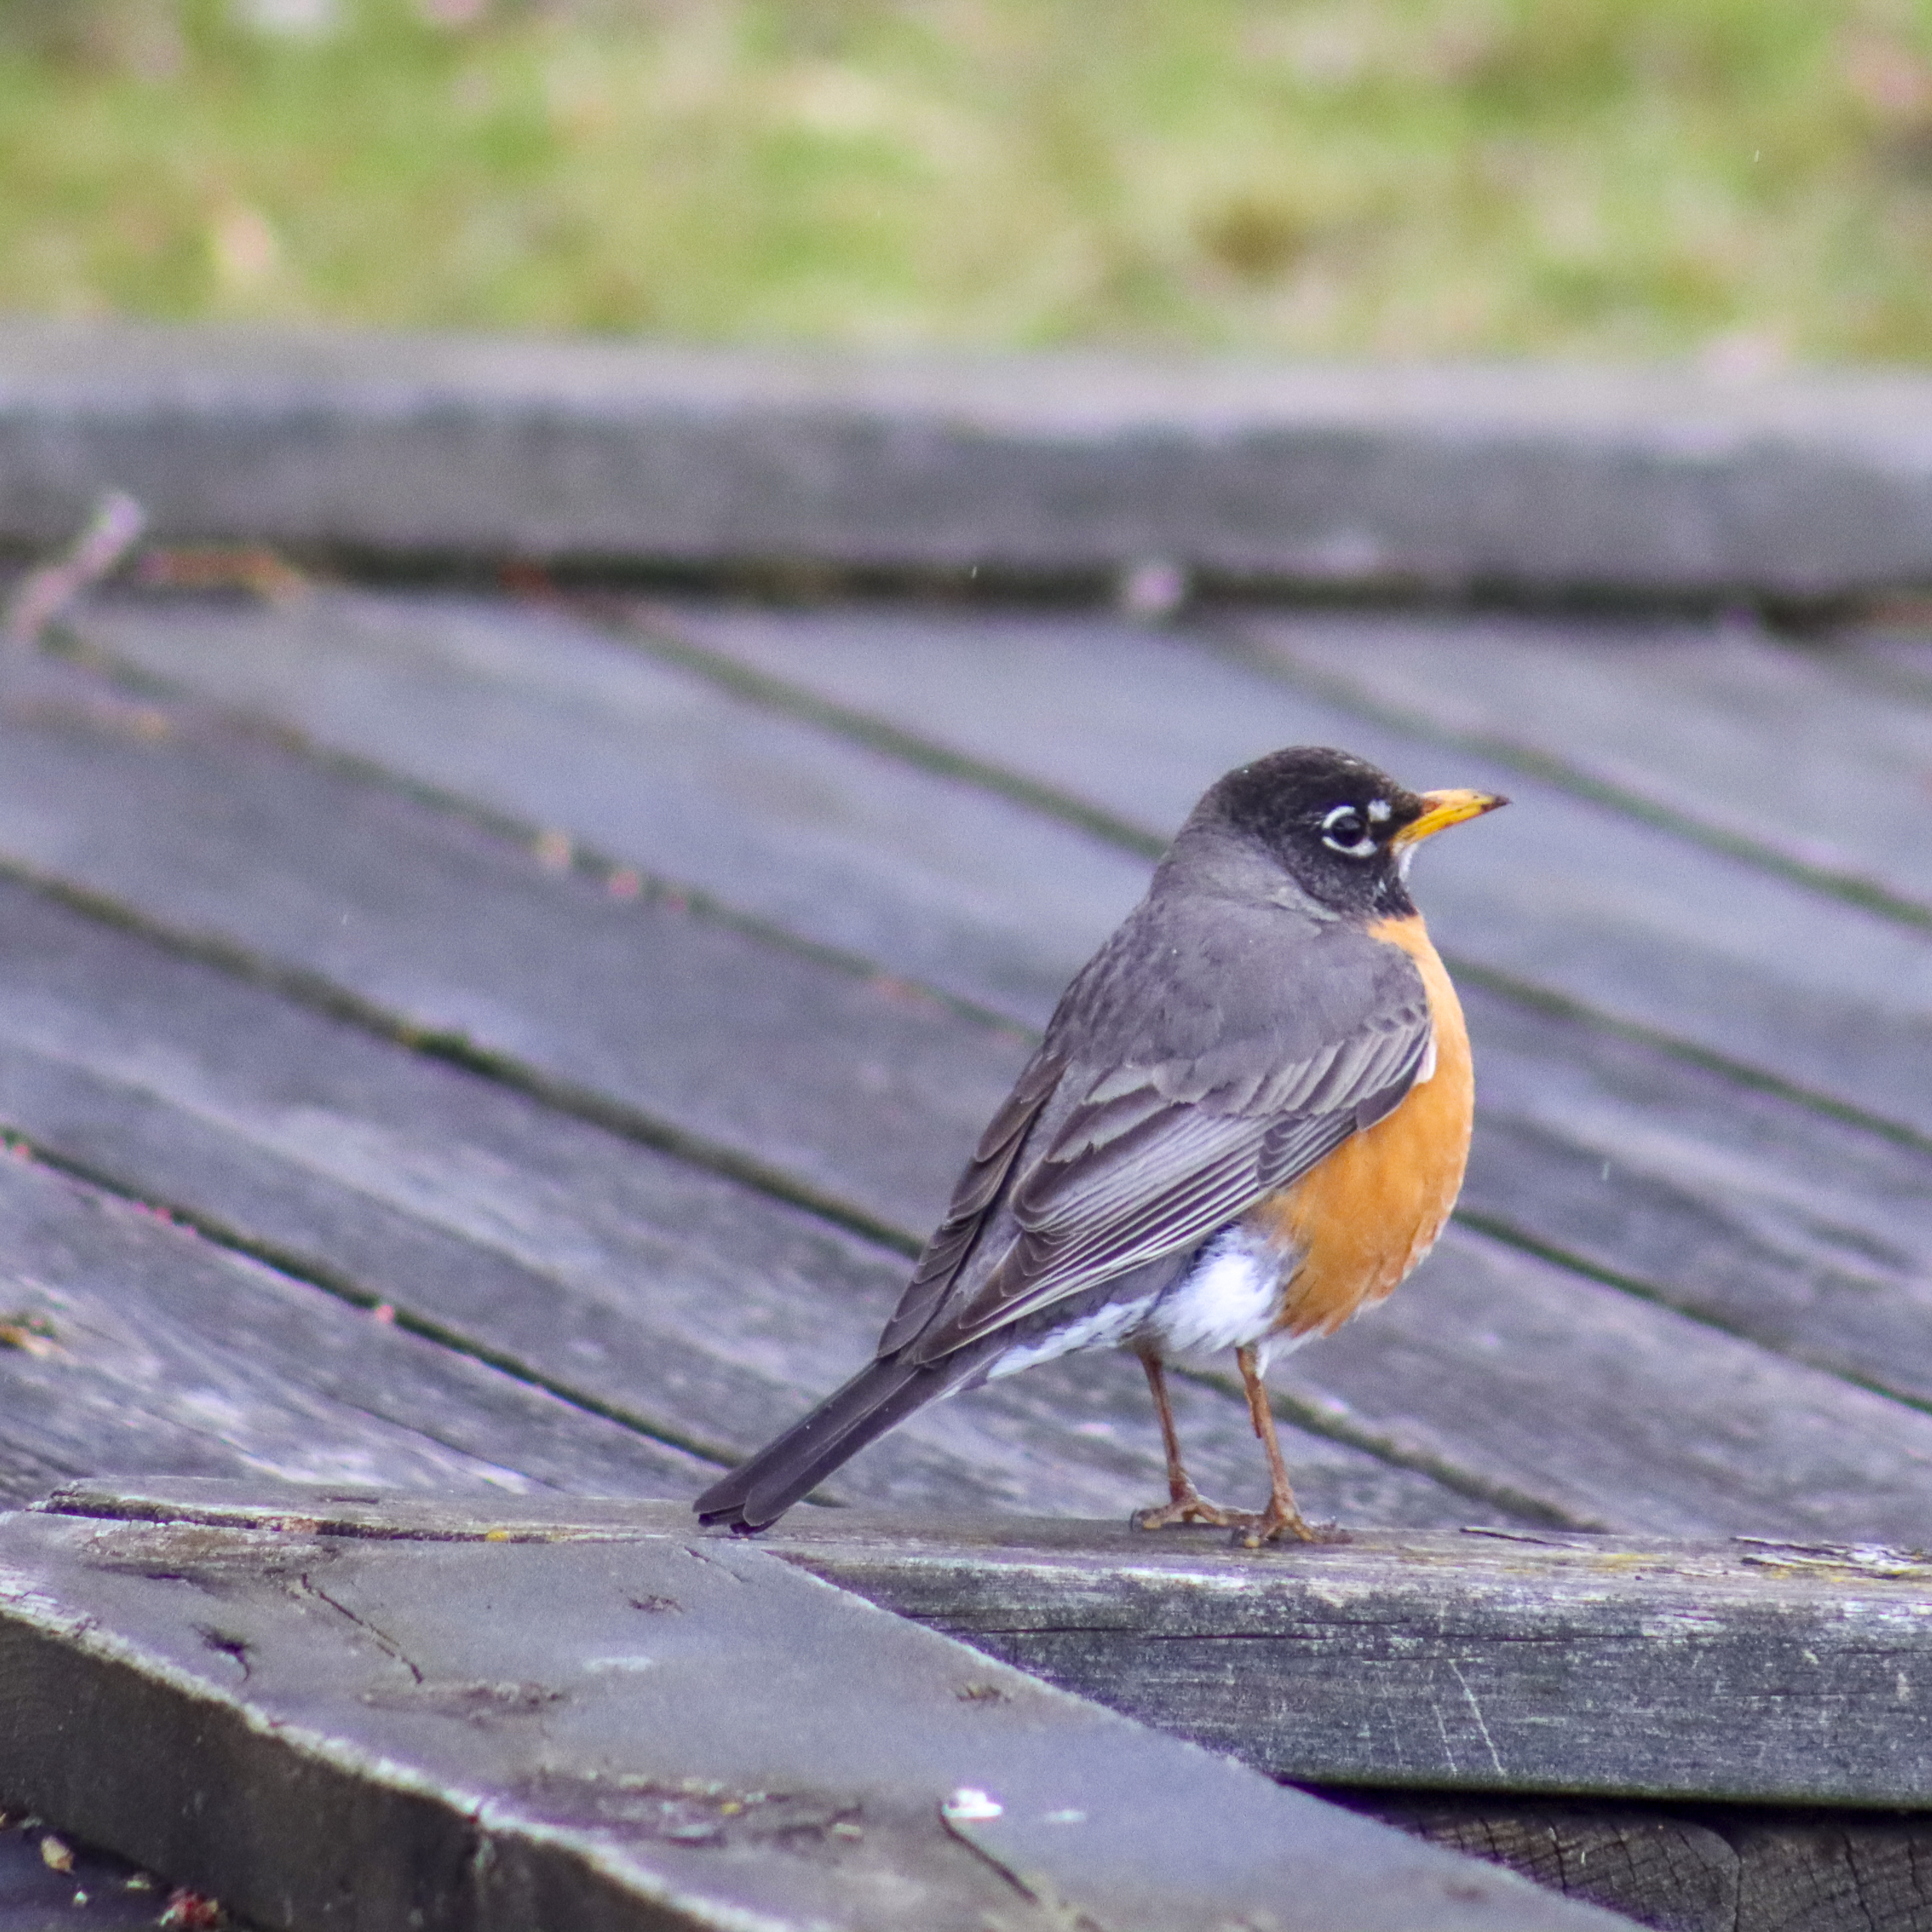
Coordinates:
<point>612,990</point>
<point>1810,1234</point>
<point>1765,1672</point>
<point>538,715</point>
<point>151,1349</point>
<point>1625,1415</point>
<point>484,1057</point>
<point>320,878</point>
<point>283,866</point>
<point>663,1729</point>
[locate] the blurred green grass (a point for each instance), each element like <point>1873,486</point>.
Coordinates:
<point>1748,180</point>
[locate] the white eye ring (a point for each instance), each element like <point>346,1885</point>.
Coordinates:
<point>1363,848</point>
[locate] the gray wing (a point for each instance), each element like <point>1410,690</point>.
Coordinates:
<point>1098,1164</point>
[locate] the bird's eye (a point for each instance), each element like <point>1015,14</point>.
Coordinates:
<point>1343,830</point>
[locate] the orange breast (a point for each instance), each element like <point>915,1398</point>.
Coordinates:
<point>1368,1213</point>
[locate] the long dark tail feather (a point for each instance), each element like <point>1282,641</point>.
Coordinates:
<point>759,1491</point>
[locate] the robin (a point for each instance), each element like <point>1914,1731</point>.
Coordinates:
<point>1248,1118</point>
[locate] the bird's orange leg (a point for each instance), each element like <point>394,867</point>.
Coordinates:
<point>1283,1516</point>
<point>1186,1503</point>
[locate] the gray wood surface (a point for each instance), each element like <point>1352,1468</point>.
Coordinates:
<point>536,714</point>
<point>1809,1235</point>
<point>1702,1868</point>
<point>1766,1672</point>
<point>1811,483</point>
<point>1561,893</point>
<point>434,928</point>
<point>1667,1870</point>
<point>131,1345</point>
<point>645,1730</point>
<point>1887,652</point>
<point>609,989</point>
<point>831,1086</point>
<point>1822,1874</point>
<point>1751,1670</point>
<point>937,689</point>
<point>1624,1415</point>
<point>1789,1227</point>
<point>537,1241</point>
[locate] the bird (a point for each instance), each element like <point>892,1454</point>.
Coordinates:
<point>1247,1119</point>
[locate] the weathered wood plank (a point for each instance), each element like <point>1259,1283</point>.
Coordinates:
<point>1891,656</point>
<point>497,1728</point>
<point>1626,1415</point>
<point>531,713</point>
<point>1560,893</point>
<point>841,1086</point>
<point>1795,1229</point>
<point>592,1264</point>
<point>1828,1874</point>
<point>1773,1673</point>
<point>1705,1868</point>
<point>1697,721</point>
<point>133,1346</point>
<point>1667,1870</point>
<point>1535,1180</point>
<point>1809,1235</point>
<point>1556,477</point>
<point>447,930</point>
<point>1761,1671</point>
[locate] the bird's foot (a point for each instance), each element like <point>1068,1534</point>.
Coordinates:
<point>1189,1505</point>
<point>1272,1524</point>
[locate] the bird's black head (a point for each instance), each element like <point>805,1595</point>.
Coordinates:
<point>1342,829</point>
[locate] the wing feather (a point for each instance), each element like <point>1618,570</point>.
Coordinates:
<point>1099,1203</point>
<point>975,1193</point>
<point>1117,1148</point>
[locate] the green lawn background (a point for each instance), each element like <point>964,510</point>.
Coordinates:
<point>1744,180</point>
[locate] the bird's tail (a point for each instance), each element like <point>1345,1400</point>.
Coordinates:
<point>759,1491</point>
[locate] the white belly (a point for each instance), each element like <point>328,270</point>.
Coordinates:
<point>1231,1297</point>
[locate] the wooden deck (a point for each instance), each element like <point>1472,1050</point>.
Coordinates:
<point>506,1046</point>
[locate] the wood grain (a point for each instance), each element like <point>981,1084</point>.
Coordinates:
<point>1628,1415</point>
<point>1808,1235</point>
<point>1827,1873</point>
<point>843,1085</point>
<point>135,1347</point>
<point>1664,1869</point>
<point>1757,1672</point>
<point>500,1729</point>
<point>533,714</point>
<point>1765,1672</point>
<point>1694,1868</point>
<point>1749,1239</point>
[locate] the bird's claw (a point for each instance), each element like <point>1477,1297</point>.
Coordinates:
<point>1271,1525</point>
<point>1188,1505</point>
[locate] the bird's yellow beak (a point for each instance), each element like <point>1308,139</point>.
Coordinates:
<point>1443,809</point>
